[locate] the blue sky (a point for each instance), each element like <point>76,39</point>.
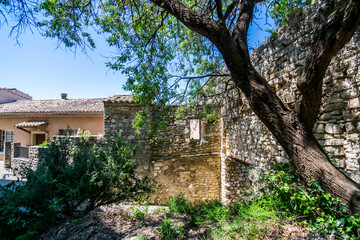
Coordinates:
<point>42,69</point>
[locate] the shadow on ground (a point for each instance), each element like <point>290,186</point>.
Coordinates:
<point>115,223</point>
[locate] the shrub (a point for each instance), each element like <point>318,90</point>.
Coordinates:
<point>283,199</point>
<point>321,212</point>
<point>69,182</point>
<point>170,231</point>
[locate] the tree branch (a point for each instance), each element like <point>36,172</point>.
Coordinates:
<point>192,19</point>
<point>335,25</point>
<point>242,26</point>
<point>219,7</point>
<point>231,8</point>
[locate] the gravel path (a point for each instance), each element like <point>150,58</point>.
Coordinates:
<point>6,175</point>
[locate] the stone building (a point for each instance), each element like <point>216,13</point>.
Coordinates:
<point>183,158</point>
<point>220,160</point>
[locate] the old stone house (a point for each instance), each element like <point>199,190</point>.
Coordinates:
<point>221,160</point>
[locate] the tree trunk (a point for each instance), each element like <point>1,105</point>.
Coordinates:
<point>311,163</point>
<point>298,141</point>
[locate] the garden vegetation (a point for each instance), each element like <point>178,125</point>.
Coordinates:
<point>71,180</point>
<point>282,200</point>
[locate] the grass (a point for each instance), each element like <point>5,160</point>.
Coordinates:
<point>283,200</point>
<point>245,219</point>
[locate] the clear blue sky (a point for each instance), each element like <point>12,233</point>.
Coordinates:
<point>43,70</point>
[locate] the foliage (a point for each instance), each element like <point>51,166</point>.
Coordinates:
<point>169,230</point>
<point>245,219</point>
<point>283,199</point>
<point>83,133</point>
<point>139,210</point>
<point>44,144</point>
<point>323,213</point>
<point>283,10</point>
<point>198,213</point>
<point>142,237</point>
<point>69,182</point>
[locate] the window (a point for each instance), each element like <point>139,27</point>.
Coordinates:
<point>6,136</point>
<point>68,132</point>
<point>195,129</point>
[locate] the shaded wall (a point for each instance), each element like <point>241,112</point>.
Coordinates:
<point>280,60</point>
<point>177,163</point>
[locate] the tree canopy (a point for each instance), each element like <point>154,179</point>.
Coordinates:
<point>164,60</point>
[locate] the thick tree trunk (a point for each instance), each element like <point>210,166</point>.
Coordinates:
<point>298,141</point>
<point>312,163</point>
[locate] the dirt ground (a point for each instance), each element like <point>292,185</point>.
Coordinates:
<point>119,222</point>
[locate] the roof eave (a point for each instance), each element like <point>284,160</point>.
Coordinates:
<point>26,114</point>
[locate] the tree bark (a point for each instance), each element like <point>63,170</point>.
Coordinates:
<point>304,151</point>
<point>336,22</point>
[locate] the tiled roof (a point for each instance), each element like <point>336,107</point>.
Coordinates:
<point>16,92</point>
<point>31,123</point>
<point>120,99</point>
<point>53,106</point>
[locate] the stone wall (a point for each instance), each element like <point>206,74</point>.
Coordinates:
<point>229,155</point>
<point>20,163</point>
<point>184,165</point>
<point>7,154</point>
<point>280,59</point>
<point>178,163</point>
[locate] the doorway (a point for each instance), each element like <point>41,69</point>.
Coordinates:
<point>38,138</point>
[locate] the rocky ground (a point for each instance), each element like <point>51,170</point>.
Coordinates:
<point>126,222</point>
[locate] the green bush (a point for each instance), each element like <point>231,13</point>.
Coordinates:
<point>170,231</point>
<point>70,181</point>
<point>247,219</point>
<point>282,200</point>
<point>282,11</point>
<point>138,211</point>
<point>321,212</point>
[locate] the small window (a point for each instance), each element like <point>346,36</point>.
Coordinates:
<point>6,136</point>
<point>67,132</point>
<point>195,129</point>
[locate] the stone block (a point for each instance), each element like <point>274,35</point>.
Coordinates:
<point>320,128</point>
<point>347,116</point>
<point>332,128</point>
<point>7,154</point>
<point>350,127</point>
<point>353,137</point>
<point>325,116</point>
<point>333,142</point>
<point>334,106</point>
<point>354,103</point>
<point>350,93</point>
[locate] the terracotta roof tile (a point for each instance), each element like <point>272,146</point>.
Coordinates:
<point>31,123</point>
<point>121,99</point>
<point>53,106</point>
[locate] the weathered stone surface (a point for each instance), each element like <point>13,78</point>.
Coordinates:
<point>332,128</point>
<point>354,103</point>
<point>183,158</point>
<point>338,124</point>
<point>7,154</point>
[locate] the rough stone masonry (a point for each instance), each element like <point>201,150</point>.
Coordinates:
<point>221,160</point>
<point>280,59</point>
